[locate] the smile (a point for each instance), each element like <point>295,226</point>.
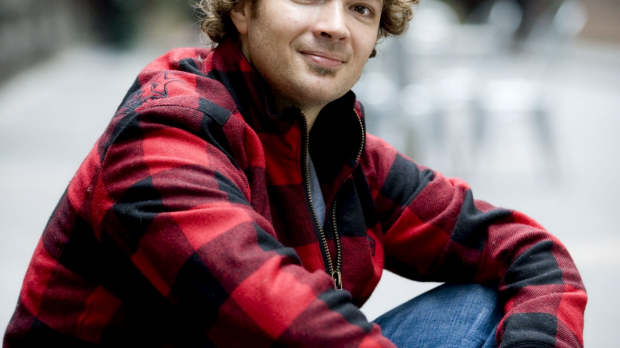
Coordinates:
<point>324,59</point>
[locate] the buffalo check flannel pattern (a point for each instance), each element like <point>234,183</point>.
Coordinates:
<point>188,225</point>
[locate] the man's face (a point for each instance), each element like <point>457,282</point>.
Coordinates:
<point>310,52</point>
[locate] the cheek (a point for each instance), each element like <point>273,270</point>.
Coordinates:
<point>365,40</point>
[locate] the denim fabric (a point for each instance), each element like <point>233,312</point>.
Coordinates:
<point>455,316</point>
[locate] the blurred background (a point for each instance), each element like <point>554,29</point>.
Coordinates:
<point>521,98</point>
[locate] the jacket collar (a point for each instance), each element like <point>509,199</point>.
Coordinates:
<point>247,88</point>
<point>337,137</point>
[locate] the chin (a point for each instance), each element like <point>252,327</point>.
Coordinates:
<point>321,97</point>
<point>313,90</point>
<point>326,92</point>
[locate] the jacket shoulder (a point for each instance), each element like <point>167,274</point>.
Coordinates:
<point>378,156</point>
<point>175,90</point>
<point>181,78</point>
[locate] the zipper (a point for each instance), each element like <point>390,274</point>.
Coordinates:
<point>337,273</point>
<point>334,272</point>
<point>361,149</point>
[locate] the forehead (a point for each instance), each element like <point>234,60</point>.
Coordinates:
<point>378,3</point>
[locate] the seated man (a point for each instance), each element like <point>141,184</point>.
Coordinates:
<point>236,200</point>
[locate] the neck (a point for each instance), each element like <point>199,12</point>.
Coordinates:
<point>309,112</point>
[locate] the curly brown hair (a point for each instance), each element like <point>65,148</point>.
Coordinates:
<point>216,22</point>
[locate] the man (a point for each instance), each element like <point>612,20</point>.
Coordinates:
<point>236,192</point>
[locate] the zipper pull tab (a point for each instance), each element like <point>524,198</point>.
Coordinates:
<point>337,276</point>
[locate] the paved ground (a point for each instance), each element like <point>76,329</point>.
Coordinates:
<point>52,114</point>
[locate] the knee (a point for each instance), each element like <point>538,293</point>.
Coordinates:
<point>477,294</point>
<point>451,315</point>
<point>457,299</point>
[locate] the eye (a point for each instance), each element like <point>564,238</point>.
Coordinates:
<point>362,9</point>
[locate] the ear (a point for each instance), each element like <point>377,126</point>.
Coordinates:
<point>240,16</point>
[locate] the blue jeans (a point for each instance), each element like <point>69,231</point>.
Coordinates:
<point>459,316</point>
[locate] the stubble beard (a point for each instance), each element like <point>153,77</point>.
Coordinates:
<point>320,46</point>
<point>322,71</point>
<point>313,68</point>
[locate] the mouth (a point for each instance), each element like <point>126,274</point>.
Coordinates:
<point>327,60</point>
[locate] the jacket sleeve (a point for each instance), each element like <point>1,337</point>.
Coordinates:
<point>434,230</point>
<point>173,200</point>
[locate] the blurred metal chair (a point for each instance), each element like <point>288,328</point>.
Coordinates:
<point>444,59</point>
<point>457,78</point>
<point>517,85</point>
<point>401,69</point>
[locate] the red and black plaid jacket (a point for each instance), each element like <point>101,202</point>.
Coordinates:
<point>189,224</point>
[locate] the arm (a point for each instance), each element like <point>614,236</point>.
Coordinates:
<point>434,230</point>
<point>176,204</point>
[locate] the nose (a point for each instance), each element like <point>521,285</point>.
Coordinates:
<point>331,22</point>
